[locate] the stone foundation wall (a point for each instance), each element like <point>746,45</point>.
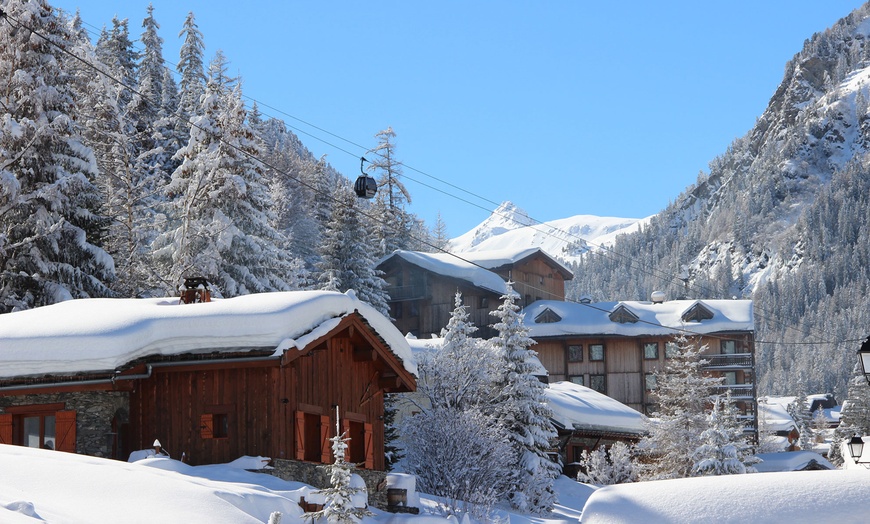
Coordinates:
<point>311,474</point>
<point>95,411</point>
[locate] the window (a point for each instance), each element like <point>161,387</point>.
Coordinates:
<point>575,353</point>
<point>596,352</point>
<point>547,316</point>
<point>577,379</point>
<point>484,302</point>
<point>729,347</point>
<point>651,350</point>
<point>215,422</point>
<point>671,350</point>
<point>649,380</point>
<point>730,378</point>
<point>598,383</point>
<point>312,437</point>
<point>46,426</point>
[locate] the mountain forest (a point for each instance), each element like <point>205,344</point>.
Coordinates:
<point>119,177</point>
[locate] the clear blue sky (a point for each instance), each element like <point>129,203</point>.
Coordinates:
<point>564,107</point>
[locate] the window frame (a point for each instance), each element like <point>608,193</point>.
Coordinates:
<point>568,352</point>
<point>644,348</point>
<point>573,379</point>
<point>603,377</point>
<point>726,342</point>
<point>592,347</point>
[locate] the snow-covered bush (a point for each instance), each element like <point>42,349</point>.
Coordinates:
<point>607,466</point>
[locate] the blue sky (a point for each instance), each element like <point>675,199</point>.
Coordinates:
<point>563,107</point>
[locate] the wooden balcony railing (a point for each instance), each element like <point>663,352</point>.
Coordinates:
<point>730,361</point>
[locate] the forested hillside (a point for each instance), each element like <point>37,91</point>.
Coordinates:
<point>782,217</point>
<point>119,176</point>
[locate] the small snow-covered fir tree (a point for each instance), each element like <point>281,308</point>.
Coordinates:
<point>674,431</point>
<point>799,411</point>
<point>725,450</point>
<point>521,406</point>
<point>338,507</point>
<point>607,466</point>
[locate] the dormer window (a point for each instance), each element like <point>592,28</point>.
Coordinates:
<point>697,313</point>
<point>623,315</point>
<point>548,316</point>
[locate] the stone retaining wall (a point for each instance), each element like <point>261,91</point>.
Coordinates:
<point>311,474</point>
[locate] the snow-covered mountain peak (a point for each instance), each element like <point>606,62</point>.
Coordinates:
<point>566,238</point>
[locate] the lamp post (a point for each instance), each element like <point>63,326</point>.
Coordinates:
<point>864,358</point>
<point>856,449</point>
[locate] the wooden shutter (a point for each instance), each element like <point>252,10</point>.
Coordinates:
<point>370,455</point>
<point>300,435</point>
<point>206,425</point>
<point>65,428</point>
<point>325,451</point>
<point>5,428</point>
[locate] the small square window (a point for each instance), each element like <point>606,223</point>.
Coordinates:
<point>575,353</point>
<point>651,350</point>
<point>671,350</point>
<point>730,378</point>
<point>650,381</point>
<point>484,302</point>
<point>577,379</point>
<point>221,428</point>
<point>596,352</point>
<point>598,383</point>
<point>729,347</point>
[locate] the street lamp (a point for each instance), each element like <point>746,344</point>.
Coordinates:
<point>864,358</point>
<point>856,449</point>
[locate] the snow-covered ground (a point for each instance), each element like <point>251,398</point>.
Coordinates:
<point>49,486</point>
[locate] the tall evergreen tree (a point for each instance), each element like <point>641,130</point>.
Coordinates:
<point>347,258</point>
<point>392,224</point>
<point>522,408</point>
<point>724,449</point>
<point>222,224</point>
<point>49,226</point>
<point>675,429</point>
<point>191,67</point>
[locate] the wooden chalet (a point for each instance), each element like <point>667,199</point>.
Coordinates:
<point>422,286</point>
<point>616,347</point>
<point>252,375</point>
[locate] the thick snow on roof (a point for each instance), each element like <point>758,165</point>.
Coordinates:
<point>797,496</point>
<point>790,461</point>
<point>576,406</point>
<point>101,334</point>
<point>495,258</point>
<point>774,415</point>
<point>451,266</point>
<point>422,345</point>
<point>653,319</point>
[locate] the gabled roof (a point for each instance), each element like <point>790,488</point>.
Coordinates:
<point>622,314</point>
<point>453,266</point>
<point>498,259</point>
<point>100,334</point>
<point>652,319</point>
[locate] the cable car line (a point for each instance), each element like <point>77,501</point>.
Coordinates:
<point>605,249</point>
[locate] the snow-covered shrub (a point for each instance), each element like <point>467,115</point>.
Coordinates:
<point>605,467</point>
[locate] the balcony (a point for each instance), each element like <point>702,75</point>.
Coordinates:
<point>739,392</point>
<point>732,361</point>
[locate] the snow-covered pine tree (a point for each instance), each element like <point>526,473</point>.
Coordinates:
<point>522,408</point>
<point>724,450</point>
<point>191,67</point>
<point>339,508</point>
<point>221,210</point>
<point>799,411</point>
<point>50,228</point>
<point>604,467</point>
<point>854,415</point>
<point>683,396</point>
<point>347,254</point>
<point>458,373</point>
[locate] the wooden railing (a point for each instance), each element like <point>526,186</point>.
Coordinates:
<point>734,360</point>
<point>410,292</point>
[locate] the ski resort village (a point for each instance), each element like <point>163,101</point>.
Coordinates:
<point>202,321</point>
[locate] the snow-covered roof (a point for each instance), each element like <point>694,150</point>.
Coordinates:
<point>496,258</point>
<point>582,408</point>
<point>453,266</point>
<point>101,334</point>
<point>774,415</point>
<point>652,318</point>
<point>422,345</point>
<point>791,461</point>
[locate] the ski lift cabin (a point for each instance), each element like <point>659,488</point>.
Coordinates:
<point>365,186</point>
